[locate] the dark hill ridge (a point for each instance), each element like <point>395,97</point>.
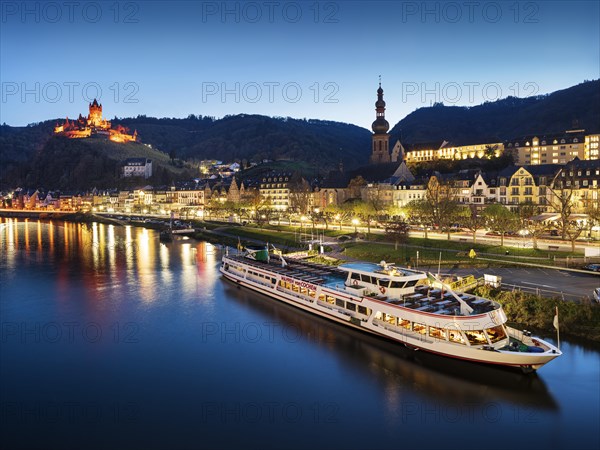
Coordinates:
<point>318,143</point>
<point>255,137</point>
<point>504,119</point>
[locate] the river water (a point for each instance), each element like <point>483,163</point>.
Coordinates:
<point>111,339</point>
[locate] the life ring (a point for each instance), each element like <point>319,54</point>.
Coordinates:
<point>382,289</point>
<point>355,283</point>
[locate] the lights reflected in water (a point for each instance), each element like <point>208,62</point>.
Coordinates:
<point>110,257</point>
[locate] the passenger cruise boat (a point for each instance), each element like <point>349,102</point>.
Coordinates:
<point>400,304</point>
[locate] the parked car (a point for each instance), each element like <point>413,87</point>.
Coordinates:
<point>592,267</point>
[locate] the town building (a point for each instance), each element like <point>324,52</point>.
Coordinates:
<point>556,148</point>
<point>526,185</point>
<point>137,167</point>
<point>445,150</point>
<point>582,179</point>
<point>275,188</point>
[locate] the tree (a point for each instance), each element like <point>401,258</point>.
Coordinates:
<point>561,200</point>
<point>366,211</point>
<point>470,218</point>
<point>442,199</point>
<point>533,227</point>
<point>300,193</point>
<point>397,231</point>
<point>500,219</point>
<point>420,212</point>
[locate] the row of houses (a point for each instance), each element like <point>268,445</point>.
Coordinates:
<point>286,191</point>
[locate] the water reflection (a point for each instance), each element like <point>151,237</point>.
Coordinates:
<point>442,380</point>
<point>106,257</point>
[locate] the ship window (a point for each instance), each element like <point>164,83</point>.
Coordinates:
<point>411,283</point>
<point>322,297</point>
<point>312,293</point>
<point>366,278</point>
<point>404,323</point>
<point>355,276</point>
<point>339,302</point>
<point>388,318</point>
<point>363,310</point>
<point>383,282</point>
<point>350,306</point>
<point>330,299</point>
<point>496,334</point>
<point>476,337</point>
<point>419,328</point>
<point>455,336</point>
<point>397,284</point>
<point>438,333</point>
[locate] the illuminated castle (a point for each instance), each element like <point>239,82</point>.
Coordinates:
<point>94,124</point>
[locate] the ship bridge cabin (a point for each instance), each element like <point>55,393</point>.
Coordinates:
<point>384,278</point>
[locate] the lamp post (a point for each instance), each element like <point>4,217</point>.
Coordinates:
<point>355,222</point>
<point>339,219</point>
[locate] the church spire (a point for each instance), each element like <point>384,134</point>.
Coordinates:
<point>380,126</point>
<point>380,145</point>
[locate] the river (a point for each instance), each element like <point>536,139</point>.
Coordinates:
<point>111,339</point>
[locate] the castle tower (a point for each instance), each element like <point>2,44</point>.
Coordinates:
<point>95,117</point>
<point>381,138</point>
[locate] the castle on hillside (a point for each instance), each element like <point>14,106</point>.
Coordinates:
<point>94,125</point>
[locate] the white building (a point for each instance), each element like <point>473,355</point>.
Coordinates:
<point>137,167</point>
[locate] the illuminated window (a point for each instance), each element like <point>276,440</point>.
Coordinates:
<point>476,337</point>
<point>496,334</point>
<point>419,328</point>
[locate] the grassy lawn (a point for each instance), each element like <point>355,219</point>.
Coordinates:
<point>284,238</point>
<point>452,253</point>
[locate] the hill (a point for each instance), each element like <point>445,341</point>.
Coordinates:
<point>66,164</point>
<point>504,119</point>
<point>254,137</point>
<point>30,154</point>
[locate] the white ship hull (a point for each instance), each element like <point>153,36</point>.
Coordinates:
<point>370,323</point>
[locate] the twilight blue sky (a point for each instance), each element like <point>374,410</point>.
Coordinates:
<point>300,59</point>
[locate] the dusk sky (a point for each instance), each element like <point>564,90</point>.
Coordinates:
<point>300,59</point>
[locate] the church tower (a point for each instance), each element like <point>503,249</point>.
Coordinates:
<point>381,138</point>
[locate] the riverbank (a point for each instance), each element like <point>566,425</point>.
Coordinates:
<point>580,320</point>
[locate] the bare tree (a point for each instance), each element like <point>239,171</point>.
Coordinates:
<point>535,228</point>
<point>300,193</point>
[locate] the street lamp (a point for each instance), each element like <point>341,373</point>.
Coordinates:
<point>302,219</point>
<point>339,219</point>
<point>355,222</point>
